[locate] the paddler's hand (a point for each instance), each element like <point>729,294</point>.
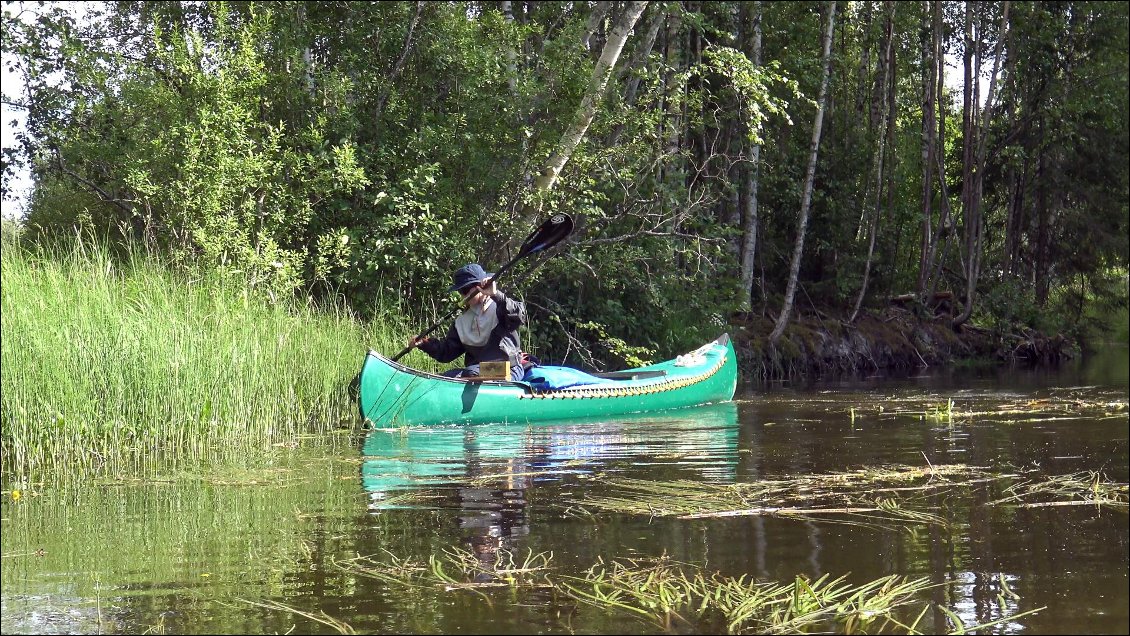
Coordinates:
<point>414,342</point>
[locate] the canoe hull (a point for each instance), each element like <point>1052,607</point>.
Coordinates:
<point>394,395</point>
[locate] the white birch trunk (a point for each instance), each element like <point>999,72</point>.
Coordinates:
<point>750,219</point>
<point>809,176</point>
<point>584,116</point>
<point>511,54</point>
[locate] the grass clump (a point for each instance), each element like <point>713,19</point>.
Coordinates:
<point>118,366</point>
<point>677,597</point>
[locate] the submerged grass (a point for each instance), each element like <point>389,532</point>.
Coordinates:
<point>336,624</point>
<point>121,368</point>
<point>680,597</point>
<point>1062,404</point>
<point>455,569</point>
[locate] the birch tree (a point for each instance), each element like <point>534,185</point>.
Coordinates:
<point>977,125</point>
<point>810,174</point>
<point>886,105</point>
<point>587,110</point>
<point>749,212</point>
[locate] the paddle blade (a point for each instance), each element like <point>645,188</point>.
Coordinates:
<point>548,234</point>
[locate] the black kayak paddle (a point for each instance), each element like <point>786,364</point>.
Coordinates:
<point>550,233</point>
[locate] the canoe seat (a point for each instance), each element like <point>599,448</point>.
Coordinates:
<point>630,375</point>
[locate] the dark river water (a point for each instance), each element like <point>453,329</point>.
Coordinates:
<point>298,539</point>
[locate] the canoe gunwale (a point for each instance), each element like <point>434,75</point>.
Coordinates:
<point>396,366</point>
<point>622,390</point>
<point>649,385</point>
<point>391,392</point>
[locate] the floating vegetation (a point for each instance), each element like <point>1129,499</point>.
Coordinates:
<point>877,497</point>
<point>1063,404</point>
<point>336,624</point>
<point>868,496</point>
<point>455,569</point>
<point>1086,488</point>
<point>566,467</point>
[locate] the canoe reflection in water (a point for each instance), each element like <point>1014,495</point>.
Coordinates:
<point>482,472</point>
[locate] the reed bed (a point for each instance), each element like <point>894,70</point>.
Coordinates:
<point>121,367</point>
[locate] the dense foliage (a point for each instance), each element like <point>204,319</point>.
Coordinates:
<point>364,150</point>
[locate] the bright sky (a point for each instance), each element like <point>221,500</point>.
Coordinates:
<point>12,118</point>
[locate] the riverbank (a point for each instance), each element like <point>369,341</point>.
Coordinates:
<point>892,340</point>
<point>128,367</point>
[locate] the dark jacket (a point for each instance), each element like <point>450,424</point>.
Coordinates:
<point>502,345</point>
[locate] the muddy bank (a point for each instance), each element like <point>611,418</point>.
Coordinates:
<point>892,340</point>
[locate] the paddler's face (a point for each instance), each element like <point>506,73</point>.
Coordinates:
<point>472,296</point>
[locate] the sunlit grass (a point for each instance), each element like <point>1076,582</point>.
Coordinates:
<point>117,368</point>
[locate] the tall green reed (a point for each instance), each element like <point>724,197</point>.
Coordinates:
<point>119,366</point>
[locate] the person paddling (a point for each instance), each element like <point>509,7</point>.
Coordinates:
<point>486,331</point>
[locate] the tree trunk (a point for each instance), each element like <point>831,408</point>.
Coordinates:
<point>810,174</point>
<point>892,163</point>
<point>511,54</point>
<point>593,22</point>
<point>390,80</point>
<point>584,116</point>
<point>975,223</point>
<point>944,231</point>
<point>884,114</point>
<point>750,219</point>
<point>639,58</point>
<point>929,56</point>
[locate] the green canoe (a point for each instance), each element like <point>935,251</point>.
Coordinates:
<point>392,394</point>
